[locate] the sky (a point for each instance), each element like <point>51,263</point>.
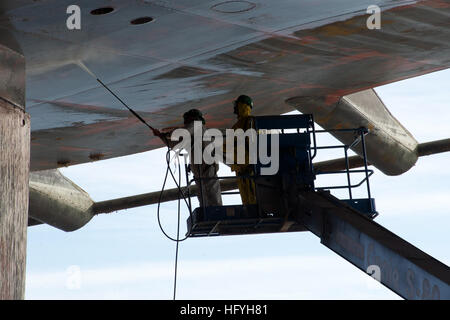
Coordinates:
<point>124,255</point>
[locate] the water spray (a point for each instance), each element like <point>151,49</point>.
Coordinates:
<point>83,66</point>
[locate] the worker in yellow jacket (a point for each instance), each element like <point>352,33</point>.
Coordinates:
<point>242,108</point>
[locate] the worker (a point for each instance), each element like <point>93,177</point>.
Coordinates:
<point>209,188</point>
<point>242,108</point>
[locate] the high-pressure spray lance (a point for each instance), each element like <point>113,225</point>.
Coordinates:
<point>156,132</point>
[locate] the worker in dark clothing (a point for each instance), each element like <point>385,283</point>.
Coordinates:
<point>209,189</point>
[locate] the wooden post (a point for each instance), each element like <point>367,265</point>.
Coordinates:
<point>14,170</point>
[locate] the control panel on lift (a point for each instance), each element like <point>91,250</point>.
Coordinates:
<point>277,193</point>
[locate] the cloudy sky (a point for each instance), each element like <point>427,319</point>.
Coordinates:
<point>124,255</point>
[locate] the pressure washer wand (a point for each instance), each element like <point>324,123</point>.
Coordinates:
<point>82,65</point>
<point>131,110</point>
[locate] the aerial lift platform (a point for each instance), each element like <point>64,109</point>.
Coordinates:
<point>288,201</point>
